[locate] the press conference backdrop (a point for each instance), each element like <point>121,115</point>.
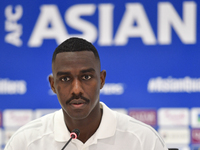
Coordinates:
<point>150,50</point>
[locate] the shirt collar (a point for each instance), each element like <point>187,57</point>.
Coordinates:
<point>106,128</point>
<point>108,123</point>
<point>61,132</point>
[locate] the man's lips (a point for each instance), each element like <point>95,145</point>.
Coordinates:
<point>77,100</point>
<point>77,103</point>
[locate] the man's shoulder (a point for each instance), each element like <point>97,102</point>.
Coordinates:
<point>126,123</point>
<point>130,129</point>
<point>36,128</point>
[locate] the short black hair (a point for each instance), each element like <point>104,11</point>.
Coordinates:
<point>75,44</point>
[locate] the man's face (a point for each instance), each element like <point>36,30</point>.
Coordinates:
<point>77,81</point>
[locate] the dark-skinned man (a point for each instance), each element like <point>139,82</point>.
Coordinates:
<point>77,79</point>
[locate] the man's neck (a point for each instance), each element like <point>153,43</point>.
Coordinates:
<point>87,126</point>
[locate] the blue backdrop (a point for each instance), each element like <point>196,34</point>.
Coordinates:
<point>150,50</point>
<point>138,42</point>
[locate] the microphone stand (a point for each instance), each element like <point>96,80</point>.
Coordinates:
<point>74,134</point>
<point>67,143</point>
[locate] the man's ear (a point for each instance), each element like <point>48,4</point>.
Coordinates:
<point>103,78</point>
<point>51,81</point>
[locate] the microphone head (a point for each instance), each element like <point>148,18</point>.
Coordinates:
<point>75,133</point>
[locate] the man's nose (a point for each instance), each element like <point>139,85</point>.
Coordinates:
<point>77,87</point>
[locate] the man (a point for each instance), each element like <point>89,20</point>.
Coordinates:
<point>77,79</point>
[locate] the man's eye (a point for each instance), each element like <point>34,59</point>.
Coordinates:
<point>64,79</point>
<point>86,77</point>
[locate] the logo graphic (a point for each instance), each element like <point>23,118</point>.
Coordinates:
<point>16,118</point>
<point>175,135</point>
<point>196,136</point>
<point>11,25</point>
<point>173,117</point>
<point>135,12</point>
<point>147,116</point>
<point>195,117</point>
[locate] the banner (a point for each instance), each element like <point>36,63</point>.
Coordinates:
<point>150,50</point>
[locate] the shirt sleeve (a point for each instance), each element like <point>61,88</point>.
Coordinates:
<point>151,140</point>
<point>160,145</point>
<point>8,147</point>
<point>17,141</point>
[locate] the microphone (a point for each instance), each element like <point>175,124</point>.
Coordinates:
<point>74,134</point>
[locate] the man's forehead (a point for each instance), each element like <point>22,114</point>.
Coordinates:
<point>74,59</point>
<point>75,54</point>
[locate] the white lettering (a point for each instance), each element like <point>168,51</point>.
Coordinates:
<point>134,24</point>
<point>170,84</point>
<point>12,87</point>
<point>72,18</point>
<point>49,16</point>
<point>12,26</point>
<point>168,17</point>
<point>112,89</point>
<point>105,24</point>
<point>135,13</point>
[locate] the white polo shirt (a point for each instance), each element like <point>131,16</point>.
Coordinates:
<point>116,132</point>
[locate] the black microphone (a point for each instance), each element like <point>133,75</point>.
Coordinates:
<point>74,134</point>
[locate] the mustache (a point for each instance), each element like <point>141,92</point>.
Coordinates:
<point>77,97</point>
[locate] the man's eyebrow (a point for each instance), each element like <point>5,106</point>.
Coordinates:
<point>87,70</point>
<point>60,73</point>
